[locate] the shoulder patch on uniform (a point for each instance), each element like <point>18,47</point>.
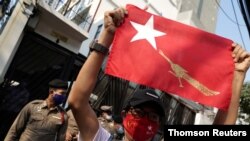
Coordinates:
<point>37,101</point>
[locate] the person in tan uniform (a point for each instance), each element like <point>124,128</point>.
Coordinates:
<point>72,129</point>
<point>42,120</point>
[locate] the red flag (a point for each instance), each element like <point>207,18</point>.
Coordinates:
<point>173,57</point>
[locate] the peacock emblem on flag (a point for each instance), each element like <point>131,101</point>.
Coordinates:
<point>181,73</point>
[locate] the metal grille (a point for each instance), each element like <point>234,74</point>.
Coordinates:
<point>115,91</point>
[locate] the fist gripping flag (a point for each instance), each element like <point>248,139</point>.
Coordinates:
<point>173,57</point>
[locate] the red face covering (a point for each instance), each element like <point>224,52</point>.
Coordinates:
<point>140,129</point>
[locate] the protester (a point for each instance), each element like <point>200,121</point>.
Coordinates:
<point>118,130</point>
<point>106,112</point>
<point>242,63</point>
<point>111,123</point>
<point>141,117</point>
<point>42,120</point>
<point>105,118</point>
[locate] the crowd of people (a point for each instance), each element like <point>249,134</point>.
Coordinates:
<point>140,118</point>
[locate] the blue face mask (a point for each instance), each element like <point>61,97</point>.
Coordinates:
<point>120,130</point>
<point>58,99</point>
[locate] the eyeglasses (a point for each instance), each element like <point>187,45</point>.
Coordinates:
<point>139,113</point>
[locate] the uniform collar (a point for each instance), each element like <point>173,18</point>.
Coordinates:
<point>45,105</point>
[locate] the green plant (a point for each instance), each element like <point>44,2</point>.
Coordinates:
<point>245,103</point>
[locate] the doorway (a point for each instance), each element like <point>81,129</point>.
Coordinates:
<point>36,62</point>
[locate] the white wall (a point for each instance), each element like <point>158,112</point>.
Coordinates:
<point>11,37</point>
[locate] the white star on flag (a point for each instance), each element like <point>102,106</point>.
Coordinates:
<point>147,32</point>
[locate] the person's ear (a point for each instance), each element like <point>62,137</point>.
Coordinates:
<point>51,91</point>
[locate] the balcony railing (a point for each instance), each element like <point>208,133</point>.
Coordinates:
<point>6,9</point>
<point>75,10</point>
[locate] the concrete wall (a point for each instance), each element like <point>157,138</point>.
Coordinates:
<point>11,37</point>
